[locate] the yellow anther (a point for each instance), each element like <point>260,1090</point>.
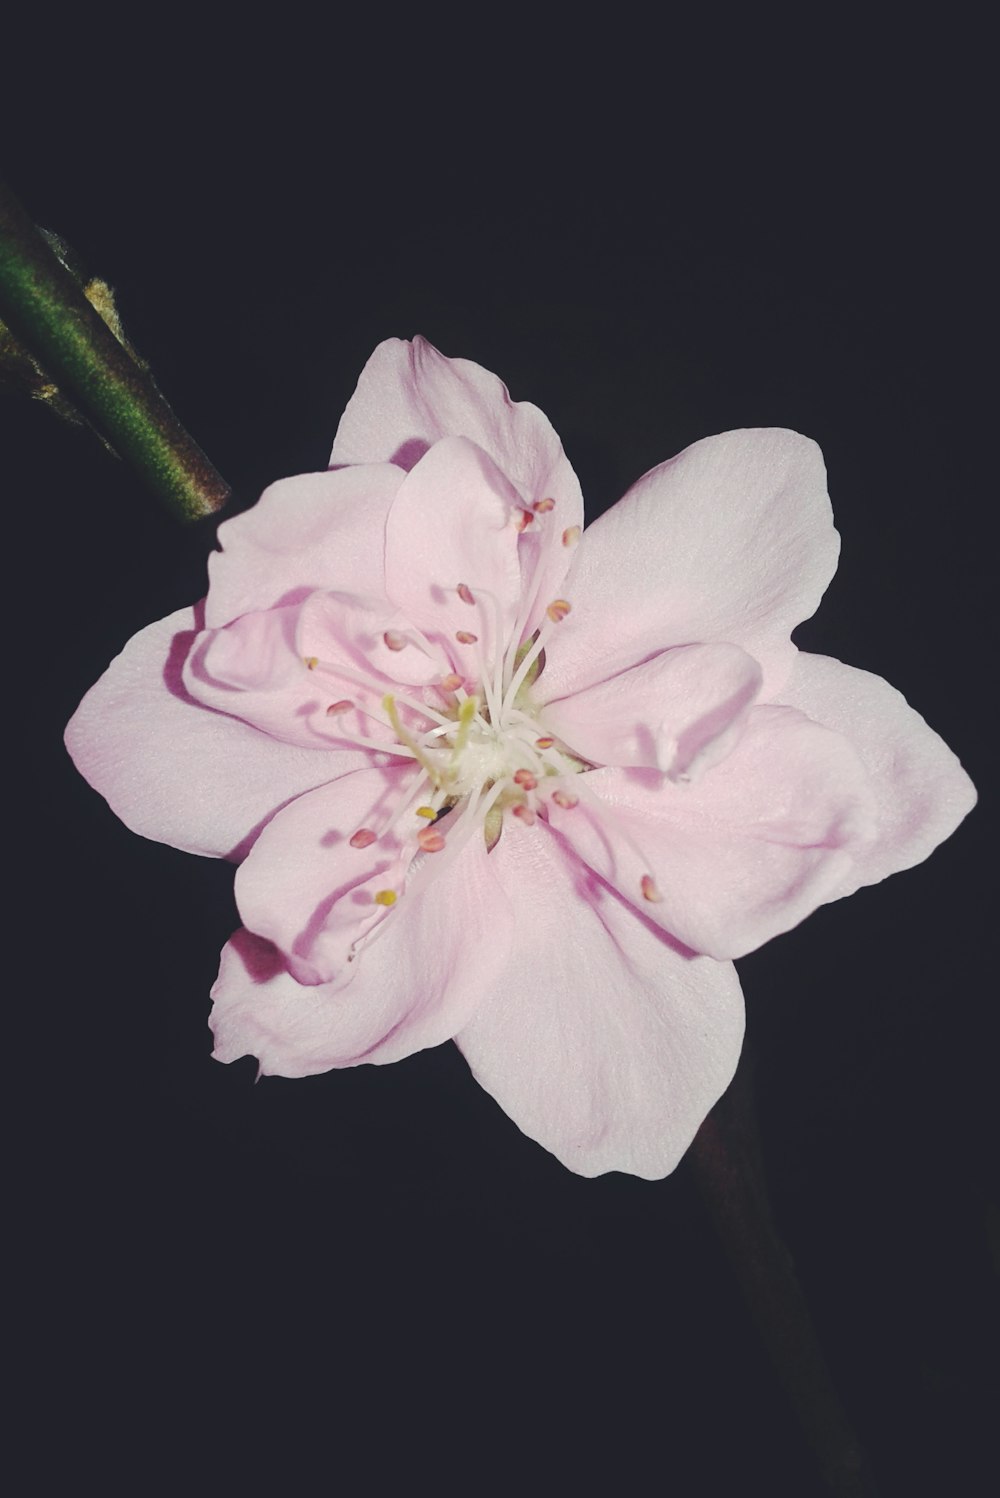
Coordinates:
<point>312,661</point>
<point>386,897</point>
<point>426,811</point>
<point>649,890</point>
<point>557,610</point>
<point>544,743</point>
<point>571,535</point>
<point>543,506</point>
<point>465,637</point>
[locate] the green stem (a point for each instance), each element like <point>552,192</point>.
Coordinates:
<point>727,1164</point>
<point>46,310</point>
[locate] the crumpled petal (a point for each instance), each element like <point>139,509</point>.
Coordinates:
<point>309,890</point>
<point>680,712</point>
<point>416,984</point>
<point>178,772</point>
<point>313,673</point>
<point>747,851</point>
<point>921,790</point>
<point>253,670</point>
<point>732,540</point>
<point>600,1040</point>
<point>318,530</point>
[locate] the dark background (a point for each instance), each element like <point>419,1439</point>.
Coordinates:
<point>372,1271</point>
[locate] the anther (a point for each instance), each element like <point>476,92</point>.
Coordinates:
<point>465,593</point>
<point>465,638</point>
<point>429,840</point>
<point>649,890</point>
<point>451,682</point>
<point>525,780</point>
<point>426,811</point>
<point>385,897</point>
<point>336,708</point>
<point>565,799</point>
<point>522,519</point>
<point>545,743</point>
<point>394,640</point>
<point>524,814</point>
<point>543,506</point>
<point>312,661</point>
<point>571,535</point>
<point>363,838</point>
<point>557,610</point>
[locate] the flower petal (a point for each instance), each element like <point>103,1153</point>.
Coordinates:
<point>178,772</point>
<point>319,530</point>
<point>601,1040</point>
<point>311,890</point>
<point>284,669</point>
<point>409,396</point>
<point>414,987</point>
<point>452,523</point>
<point>680,712</point>
<point>253,670</point>
<point>921,790</point>
<point>745,852</point>
<point>731,540</point>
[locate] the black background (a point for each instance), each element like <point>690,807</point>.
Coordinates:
<point>373,1272</point>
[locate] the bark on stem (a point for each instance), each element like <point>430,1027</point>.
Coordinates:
<point>48,313</point>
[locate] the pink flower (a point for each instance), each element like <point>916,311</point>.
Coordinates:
<point>498,779</point>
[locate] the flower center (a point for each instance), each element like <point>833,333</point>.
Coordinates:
<point>486,747</point>
<point>479,748</point>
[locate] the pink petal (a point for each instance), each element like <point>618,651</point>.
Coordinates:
<point>921,790</point>
<point>283,669</point>
<point>732,540</point>
<point>366,636</point>
<point>175,771</point>
<point>745,852</point>
<point>413,987</point>
<point>410,396</point>
<point>308,889</point>
<point>601,1041</point>
<point>452,523</point>
<point>319,530</point>
<point>253,670</point>
<point>680,712</point>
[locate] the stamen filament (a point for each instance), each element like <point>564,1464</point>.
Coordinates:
<point>529,660</point>
<point>466,713</point>
<point>389,703</point>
